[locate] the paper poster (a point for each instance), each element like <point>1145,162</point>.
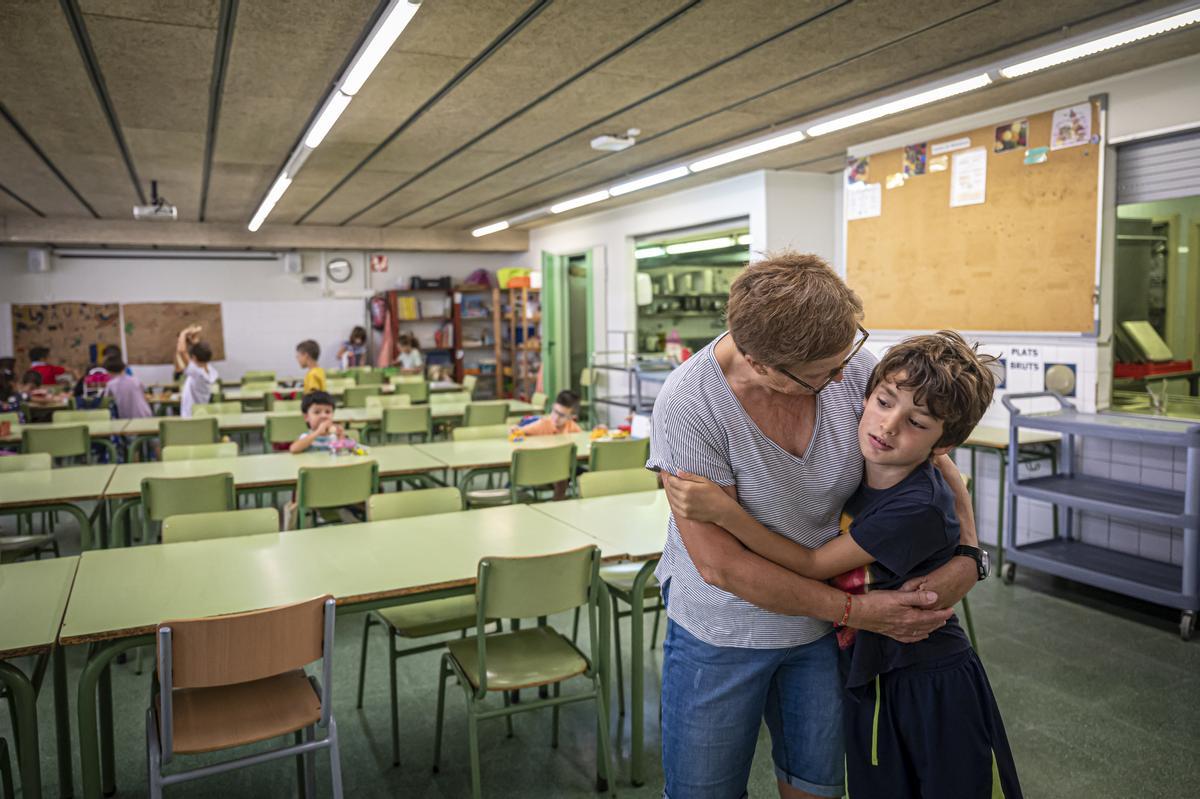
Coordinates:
<point>1070,127</point>
<point>379,262</point>
<point>938,163</point>
<point>1012,137</point>
<point>949,146</point>
<point>856,170</point>
<point>864,201</point>
<point>968,177</point>
<point>1037,155</point>
<point>896,180</point>
<point>914,160</point>
<point>1023,369</point>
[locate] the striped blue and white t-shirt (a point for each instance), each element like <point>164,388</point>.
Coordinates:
<point>699,426</point>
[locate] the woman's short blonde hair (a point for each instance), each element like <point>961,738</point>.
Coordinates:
<point>792,308</point>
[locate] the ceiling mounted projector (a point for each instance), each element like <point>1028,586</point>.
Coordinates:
<point>158,210</point>
<point>615,142</point>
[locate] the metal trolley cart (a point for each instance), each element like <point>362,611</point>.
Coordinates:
<point>1068,556</point>
<point>637,378</point>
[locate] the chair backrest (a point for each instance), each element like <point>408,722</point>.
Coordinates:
<point>422,502</point>
<point>416,419</point>
<point>469,383</point>
<point>388,401</point>
<point>189,431</point>
<point>479,413</point>
<point>197,452</point>
<point>217,408</point>
<point>538,400</point>
<point>35,462</point>
<point>538,466</point>
<point>59,442</point>
<point>397,379</point>
<point>259,385</point>
<point>341,383</point>
<point>418,390</point>
<point>282,405</point>
<point>219,524</point>
<point>522,588</point>
<point>356,396</point>
<point>336,486</point>
<point>480,433</point>
<point>260,376</point>
<point>629,453</point>
<point>284,428</point>
<point>616,481</point>
<point>11,417</point>
<point>93,415</point>
<point>370,378</point>
<point>448,397</point>
<point>585,378</point>
<point>170,496</point>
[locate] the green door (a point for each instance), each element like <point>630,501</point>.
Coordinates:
<point>566,319</point>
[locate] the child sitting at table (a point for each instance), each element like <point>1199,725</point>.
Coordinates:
<point>324,435</point>
<point>408,355</point>
<point>48,372</point>
<point>560,420</point>
<point>127,392</point>
<point>200,379</point>
<point>308,352</point>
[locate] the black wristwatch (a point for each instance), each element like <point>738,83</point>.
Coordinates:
<point>980,556</point>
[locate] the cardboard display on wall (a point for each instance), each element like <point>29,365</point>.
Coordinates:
<point>152,329</point>
<point>75,332</point>
<point>1024,259</point>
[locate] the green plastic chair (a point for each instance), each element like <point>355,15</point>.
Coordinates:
<point>407,422</point>
<point>518,588</point>
<point>264,386</point>
<point>203,430</point>
<point>587,376</point>
<point>469,382</point>
<point>92,415</point>
<point>219,524</point>
<point>479,414</point>
<point>389,401</point>
<point>330,487</point>
<point>356,396</point>
<point>282,405</point>
<point>261,376</point>
<point>10,417</point>
<point>479,433</point>
<point>371,378</point>
<point>538,400</point>
<point>67,441</point>
<point>629,453</point>
<point>34,462</point>
<point>448,397</point>
<point>616,481</point>
<point>419,619</point>
<point>199,452</point>
<point>216,408</point>
<point>397,379</point>
<point>339,383</point>
<point>172,496</point>
<point>284,428</point>
<point>417,390</point>
<point>531,468</point>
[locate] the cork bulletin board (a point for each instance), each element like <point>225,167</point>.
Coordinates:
<point>1022,260</point>
<point>75,332</point>
<point>152,329</point>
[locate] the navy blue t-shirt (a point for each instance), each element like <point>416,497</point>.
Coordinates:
<point>910,529</point>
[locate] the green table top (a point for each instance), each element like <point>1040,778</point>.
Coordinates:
<point>127,591</point>
<point>33,597</point>
<point>271,469</point>
<point>497,451</point>
<point>105,429</point>
<point>997,437</point>
<point>634,524</point>
<point>51,486</point>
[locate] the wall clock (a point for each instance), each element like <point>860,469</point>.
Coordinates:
<point>339,270</point>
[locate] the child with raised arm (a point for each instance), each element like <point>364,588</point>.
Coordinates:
<point>920,719</point>
<point>199,379</point>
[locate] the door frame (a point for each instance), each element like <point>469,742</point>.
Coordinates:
<point>556,317</point>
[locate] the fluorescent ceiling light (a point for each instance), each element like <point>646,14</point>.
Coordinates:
<point>700,246</point>
<point>649,252</point>
<point>1104,43</point>
<point>744,240</point>
<point>649,180</point>
<point>382,39</point>
<point>903,104</point>
<point>579,202</point>
<point>737,154</point>
<point>333,109</point>
<point>268,203</point>
<point>486,229</point>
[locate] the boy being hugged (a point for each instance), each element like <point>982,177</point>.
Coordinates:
<point>920,718</point>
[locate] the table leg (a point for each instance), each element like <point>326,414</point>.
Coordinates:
<point>24,703</point>
<point>602,658</point>
<point>62,724</point>
<point>121,527</point>
<point>637,688</point>
<point>87,709</point>
<point>1000,511</point>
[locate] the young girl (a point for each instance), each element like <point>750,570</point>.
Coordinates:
<point>408,356</point>
<point>354,351</point>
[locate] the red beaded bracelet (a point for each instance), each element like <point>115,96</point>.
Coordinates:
<point>846,613</point>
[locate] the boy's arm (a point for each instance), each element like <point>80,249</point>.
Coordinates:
<point>302,443</point>
<point>955,579</point>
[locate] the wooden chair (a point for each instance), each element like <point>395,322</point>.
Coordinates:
<point>229,681</point>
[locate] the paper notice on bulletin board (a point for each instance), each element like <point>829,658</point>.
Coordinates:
<point>968,177</point>
<point>864,201</point>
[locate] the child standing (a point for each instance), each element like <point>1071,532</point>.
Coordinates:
<point>920,719</point>
<point>308,352</point>
<point>127,392</point>
<point>200,379</point>
<point>353,352</point>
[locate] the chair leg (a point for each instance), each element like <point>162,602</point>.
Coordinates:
<point>335,760</point>
<point>508,725</point>
<point>604,778</point>
<point>301,785</point>
<point>395,700</point>
<point>617,651</point>
<point>554,721</point>
<point>473,746</point>
<point>362,660</point>
<point>575,628</point>
<point>310,764</point>
<point>657,614</point>
<point>6,779</point>
<point>153,758</point>
<point>443,673</point>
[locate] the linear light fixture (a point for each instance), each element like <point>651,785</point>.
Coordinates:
<point>389,28</point>
<point>745,240</point>
<point>268,204</point>
<point>333,109</point>
<point>1101,44</point>
<point>492,228</point>
<point>701,246</point>
<point>738,153</point>
<point>649,252</point>
<point>579,202</point>
<point>649,180</point>
<point>902,104</point>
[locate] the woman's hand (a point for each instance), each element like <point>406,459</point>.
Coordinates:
<point>697,498</point>
<point>906,616</point>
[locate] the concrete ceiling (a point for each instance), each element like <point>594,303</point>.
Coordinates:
<point>483,108</point>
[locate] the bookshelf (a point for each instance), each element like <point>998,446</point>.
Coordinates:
<point>522,357</point>
<point>427,314</point>
<point>476,331</point>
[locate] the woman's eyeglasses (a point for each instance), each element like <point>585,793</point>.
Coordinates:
<point>832,375</point>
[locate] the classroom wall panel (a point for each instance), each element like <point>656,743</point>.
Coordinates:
<point>152,329</point>
<point>75,332</point>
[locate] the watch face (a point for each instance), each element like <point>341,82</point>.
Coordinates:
<point>339,270</point>
<point>985,561</point>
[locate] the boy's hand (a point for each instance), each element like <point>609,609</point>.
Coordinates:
<point>323,428</point>
<point>697,498</point>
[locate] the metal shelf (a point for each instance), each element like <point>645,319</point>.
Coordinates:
<point>1109,497</point>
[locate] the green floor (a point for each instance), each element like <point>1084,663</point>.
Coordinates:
<point>1100,697</point>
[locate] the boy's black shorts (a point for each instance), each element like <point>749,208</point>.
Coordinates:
<point>929,731</point>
